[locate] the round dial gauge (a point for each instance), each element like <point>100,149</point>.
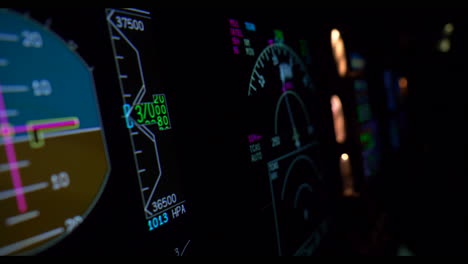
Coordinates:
<point>283,135</point>
<point>53,160</point>
<point>280,75</point>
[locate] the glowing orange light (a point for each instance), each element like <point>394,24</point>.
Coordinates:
<point>339,119</point>
<point>339,52</point>
<point>347,176</point>
<point>336,35</point>
<point>403,83</point>
<point>345,157</point>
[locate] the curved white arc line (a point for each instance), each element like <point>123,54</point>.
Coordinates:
<point>278,106</point>
<point>291,167</point>
<point>270,49</point>
<point>303,187</point>
<point>296,135</point>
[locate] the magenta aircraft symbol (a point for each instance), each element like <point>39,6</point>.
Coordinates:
<point>8,132</point>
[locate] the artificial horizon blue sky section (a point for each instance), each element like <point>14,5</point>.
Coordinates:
<point>73,92</point>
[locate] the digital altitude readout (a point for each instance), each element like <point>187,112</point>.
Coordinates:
<point>156,112</point>
<point>147,117</point>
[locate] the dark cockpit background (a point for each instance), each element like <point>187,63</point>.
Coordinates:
<point>395,185</point>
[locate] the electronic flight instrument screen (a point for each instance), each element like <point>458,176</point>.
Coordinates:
<point>164,132</point>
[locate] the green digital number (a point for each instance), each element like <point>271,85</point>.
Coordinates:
<point>155,112</point>
<point>139,110</point>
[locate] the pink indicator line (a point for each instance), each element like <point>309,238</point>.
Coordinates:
<point>11,157</point>
<point>44,126</point>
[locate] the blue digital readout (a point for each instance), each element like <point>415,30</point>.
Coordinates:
<point>158,221</point>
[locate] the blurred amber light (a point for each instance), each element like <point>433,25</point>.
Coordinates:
<point>339,119</point>
<point>339,52</point>
<point>403,83</point>
<point>347,176</point>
